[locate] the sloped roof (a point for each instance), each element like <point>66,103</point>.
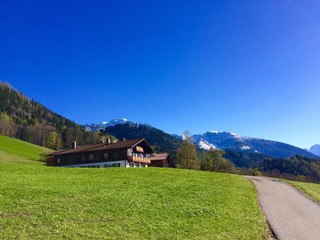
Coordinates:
<point>120,144</point>
<point>103,146</point>
<point>158,156</point>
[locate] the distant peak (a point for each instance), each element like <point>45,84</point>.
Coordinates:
<point>315,149</point>
<point>112,122</point>
<point>120,119</point>
<point>216,132</point>
<point>225,132</point>
<point>117,121</point>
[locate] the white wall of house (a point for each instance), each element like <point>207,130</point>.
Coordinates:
<point>120,163</point>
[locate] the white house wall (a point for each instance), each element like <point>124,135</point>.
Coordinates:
<point>123,163</point>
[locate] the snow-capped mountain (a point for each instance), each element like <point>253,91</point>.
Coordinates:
<point>232,141</point>
<point>103,125</point>
<point>220,140</point>
<point>315,149</point>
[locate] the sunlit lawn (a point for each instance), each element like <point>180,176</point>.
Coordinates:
<point>39,202</point>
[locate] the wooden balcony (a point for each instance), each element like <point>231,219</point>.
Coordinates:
<point>137,159</point>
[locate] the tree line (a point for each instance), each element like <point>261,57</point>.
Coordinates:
<point>298,167</point>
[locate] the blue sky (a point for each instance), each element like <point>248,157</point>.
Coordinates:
<point>250,67</point>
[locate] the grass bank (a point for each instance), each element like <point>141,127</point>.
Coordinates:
<point>39,202</point>
<point>311,189</point>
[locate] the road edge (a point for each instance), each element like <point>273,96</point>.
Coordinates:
<point>301,191</point>
<point>271,233</point>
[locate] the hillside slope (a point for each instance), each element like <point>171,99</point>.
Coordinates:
<point>18,149</point>
<point>23,118</point>
<point>315,149</point>
<point>160,140</point>
<point>120,203</point>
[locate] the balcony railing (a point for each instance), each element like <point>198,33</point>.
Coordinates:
<point>139,159</point>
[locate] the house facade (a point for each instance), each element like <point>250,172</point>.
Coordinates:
<point>127,153</point>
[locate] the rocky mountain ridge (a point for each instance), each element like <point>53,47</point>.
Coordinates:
<point>224,140</point>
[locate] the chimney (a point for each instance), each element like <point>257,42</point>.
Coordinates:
<point>74,144</point>
<point>108,140</point>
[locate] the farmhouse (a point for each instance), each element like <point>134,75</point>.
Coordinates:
<point>126,153</point>
<point>159,159</point>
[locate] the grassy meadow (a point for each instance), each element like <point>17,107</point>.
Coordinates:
<point>311,189</point>
<point>40,202</point>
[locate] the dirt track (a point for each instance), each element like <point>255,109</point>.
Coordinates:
<point>289,212</point>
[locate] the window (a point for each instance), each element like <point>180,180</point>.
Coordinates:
<point>91,157</point>
<point>83,158</point>
<point>105,156</point>
<point>93,166</point>
<point>116,155</point>
<point>116,165</point>
<point>129,152</point>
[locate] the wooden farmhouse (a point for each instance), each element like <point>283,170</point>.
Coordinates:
<point>159,159</point>
<point>127,153</point>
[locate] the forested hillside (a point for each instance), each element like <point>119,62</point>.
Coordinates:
<point>23,118</point>
<point>296,168</point>
<point>244,159</point>
<point>160,140</point>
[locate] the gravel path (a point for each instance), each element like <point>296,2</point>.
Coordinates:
<point>289,212</point>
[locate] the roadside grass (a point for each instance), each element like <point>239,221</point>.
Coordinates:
<point>39,202</point>
<point>311,189</point>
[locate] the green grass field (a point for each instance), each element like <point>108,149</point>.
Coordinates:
<point>311,189</point>
<point>40,202</point>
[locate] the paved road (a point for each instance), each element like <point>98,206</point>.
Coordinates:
<point>290,214</point>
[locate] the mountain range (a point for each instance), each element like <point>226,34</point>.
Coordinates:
<point>231,141</point>
<point>23,118</point>
<point>215,140</point>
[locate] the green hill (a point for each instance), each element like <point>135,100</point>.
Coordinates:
<point>39,202</point>
<point>19,149</point>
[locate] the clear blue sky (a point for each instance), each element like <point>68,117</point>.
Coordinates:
<point>250,67</point>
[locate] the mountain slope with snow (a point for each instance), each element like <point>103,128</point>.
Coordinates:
<point>315,149</point>
<point>103,125</point>
<point>231,141</point>
<point>209,140</point>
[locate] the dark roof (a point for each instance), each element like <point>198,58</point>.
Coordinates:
<point>104,146</point>
<point>158,156</point>
<point>120,144</point>
<point>76,150</point>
